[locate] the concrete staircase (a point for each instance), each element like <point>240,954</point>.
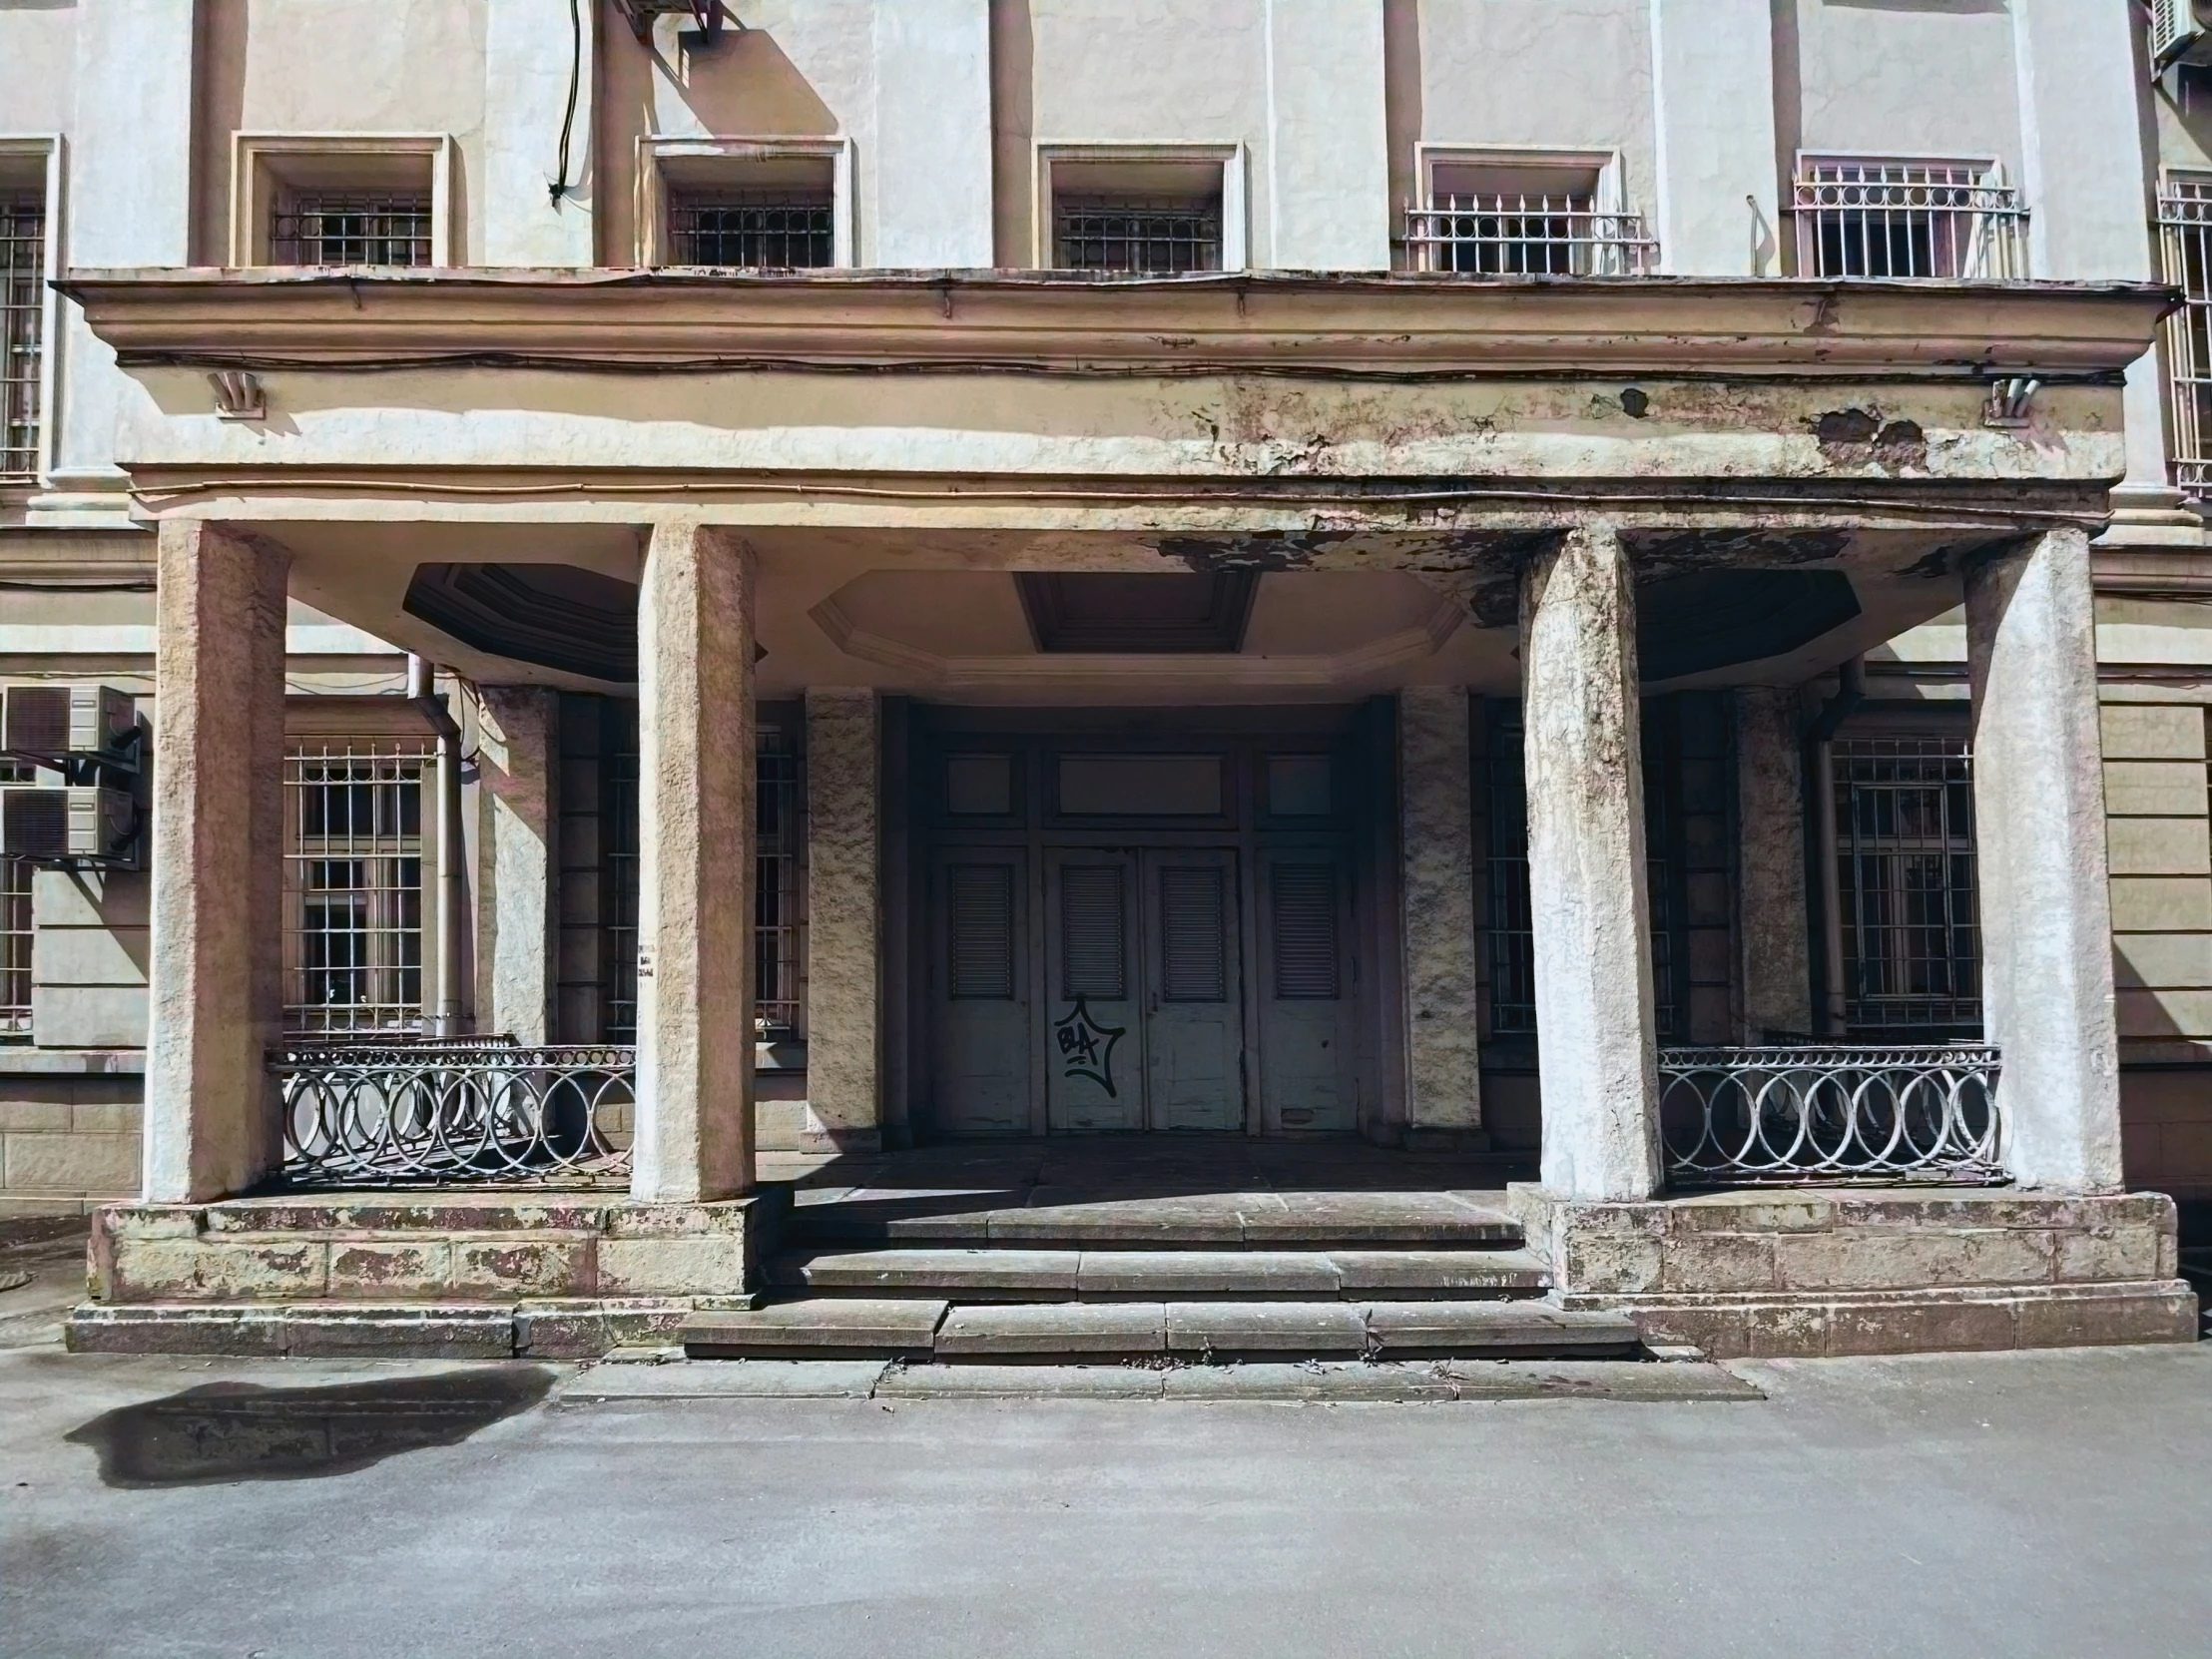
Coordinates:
<point>1215,1277</point>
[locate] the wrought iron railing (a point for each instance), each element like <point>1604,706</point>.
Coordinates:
<point>1819,1115</point>
<point>1514,234</point>
<point>474,1111</point>
<point>2185,253</point>
<point>1908,219</point>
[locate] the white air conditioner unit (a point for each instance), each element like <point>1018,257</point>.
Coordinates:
<point>67,722</point>
<point>69,825</point>
<point>2179,34</point>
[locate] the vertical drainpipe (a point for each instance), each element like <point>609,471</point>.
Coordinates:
<point>445,1013</point>
<point>1850,691</point>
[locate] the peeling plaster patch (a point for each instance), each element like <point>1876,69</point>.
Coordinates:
<point>1751,548</point>
<point>1951,558</point>
<point>1860,437</point>
<point>1635,402</point>
<point>1260,550</point>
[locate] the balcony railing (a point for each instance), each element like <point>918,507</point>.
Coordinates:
<point>1818,1116</point>
<point>1906,218</point>
<point>486,1111</point>
<point>2185,252</point>
<point>1526,236</point>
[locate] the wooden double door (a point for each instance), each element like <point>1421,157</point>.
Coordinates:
<point>1109,986</point>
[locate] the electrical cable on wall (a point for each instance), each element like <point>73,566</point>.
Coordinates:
<point>559,186</point>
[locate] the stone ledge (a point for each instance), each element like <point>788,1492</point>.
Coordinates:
<point>571,1330</point>
<point>1929,1319</point>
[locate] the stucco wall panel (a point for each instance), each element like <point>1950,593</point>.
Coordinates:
<point>38,55</point>
<point>1929,80</point>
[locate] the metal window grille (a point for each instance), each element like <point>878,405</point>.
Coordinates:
<point>16,932</point>
<point>1514,234</point>
<point>1905,880</point>
<point>2186,247</point>
<point>1136,233</point>
<point>341,228</point>
<point>1512,940</point>
<point>22,331</point>
<point>780,936</point>
<point>1906,218</point>
<point>353,887</point>
<point>754,230</point>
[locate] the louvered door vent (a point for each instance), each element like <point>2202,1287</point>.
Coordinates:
<point>1305,932</point>
<point>1093,954</point>
<point>1193,958</point>
<point>982,932</point>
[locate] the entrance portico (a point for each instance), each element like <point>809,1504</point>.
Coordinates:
<point>1157,878</point>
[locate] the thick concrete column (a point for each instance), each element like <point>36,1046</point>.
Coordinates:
<point>1328,157</point>
<point>1436,831</point>
<point>1774,965</point>
<point>212,1119</point>
<point>2045,887</point>
<point>695,866</point>
<point>532,57</point>
<point>1712,88</point>
<point>928,176</point>
<point>843,918</point>
<point>517,749</point>
<point>1597,1059</point>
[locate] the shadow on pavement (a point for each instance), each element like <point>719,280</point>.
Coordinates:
<point>231,1431</point>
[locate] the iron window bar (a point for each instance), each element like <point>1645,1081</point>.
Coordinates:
<point>754,230</point>
<point>1517,235</point>
<point>2185,253</point>
<point>1830,1114</point>
<point>353,884</point>
<point>1906,218</point>
<point>22,333</point>
<point>330,228</point>
<point>1905,851</point>
<point>1139,236</point>
<point>455,1113</point>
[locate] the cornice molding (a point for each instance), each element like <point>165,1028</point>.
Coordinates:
<point>1407,328</point>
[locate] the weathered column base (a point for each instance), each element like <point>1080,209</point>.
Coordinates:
<point>1806,1272</point>
<point>463,1276</point>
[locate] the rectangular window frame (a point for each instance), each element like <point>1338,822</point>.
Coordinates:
<point>2007,213</point>
<point>257,160</point>
<point>37,159</point>
<point>1608,199</point>
<point>1230,159</point>
<point>657,184</point>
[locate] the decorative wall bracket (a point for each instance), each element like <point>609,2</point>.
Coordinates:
<point>239,396</point>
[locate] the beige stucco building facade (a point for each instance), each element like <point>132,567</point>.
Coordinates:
<point>1614,585</point>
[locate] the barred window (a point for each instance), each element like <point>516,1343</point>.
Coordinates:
<point>1513,234</point>
<point>754,230</point>
<point>1905,879</point>
<point>780,892</point>
<point>1906,218</point>
<point>1511,934</point>
<point>16,933</point>
<point>22,331</point>
<point>2185,250</point>
<point>354,883</point>
<point>347,227</point>
<point>1138,234</point>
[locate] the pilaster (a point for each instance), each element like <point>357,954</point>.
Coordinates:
<point>929,170</point>
<point>1435,819</point>
<point>1328,158</point>
<point>1774,967</point>
<point>844,915</point>
<point>212,1119</point>
<point>2044,879</point>
<point>1712,88</point>
<point>1597,1058</point>
<point>519,740</point>
<point>695,866</point>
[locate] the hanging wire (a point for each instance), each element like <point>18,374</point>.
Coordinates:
<point>559,186</point>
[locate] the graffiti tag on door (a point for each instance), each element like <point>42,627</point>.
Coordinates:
<point>1087,1047</point>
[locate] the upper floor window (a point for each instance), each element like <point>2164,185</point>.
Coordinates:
<point>1879,217</point>
<point>745,204</point>
<point>1503,214</point>
<point>2185,253</point>
<point>1140,210</point>
<point>22,331</point>
<point>341,200</point>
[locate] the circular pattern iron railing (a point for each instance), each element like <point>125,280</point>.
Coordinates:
<point>1842,1113</point>
<point>463,1112</point>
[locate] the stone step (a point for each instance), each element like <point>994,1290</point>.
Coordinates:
<point>1219,1221</point>
<point>1152,1331</point>
<point>983,1274</point>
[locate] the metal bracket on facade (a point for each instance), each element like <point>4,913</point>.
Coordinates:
<point>706,15</point>
<point>2008,401</point>
<point>239,396</point>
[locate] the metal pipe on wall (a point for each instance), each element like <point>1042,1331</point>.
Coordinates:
<point>1850,691</point>
<point>444,1014</point>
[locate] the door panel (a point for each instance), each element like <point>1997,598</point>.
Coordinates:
<point>1194,1024</point>
<point>1309,1081</point>
<point>981,1047</point>
<point>1094,1064</point>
